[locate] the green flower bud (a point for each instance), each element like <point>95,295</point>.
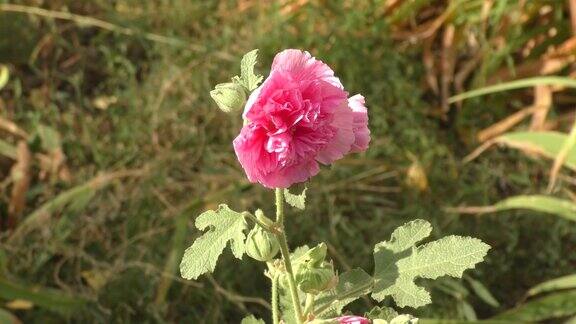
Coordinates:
<point>230,97</point>
<point>314,279</point>
<point>316,255</point>
<point>261,245</point>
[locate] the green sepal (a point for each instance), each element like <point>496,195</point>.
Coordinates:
<point>261,245</point>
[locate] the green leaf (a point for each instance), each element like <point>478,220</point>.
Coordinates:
<point>225,226</point>
<point>455,321</point>
<point>50,138</point>
<point>51,299</point>
<point>381,312</point>
<point>4,76</point>
<point>547,144</point>
<point>404,319</point>
<point>481,291</point>
<point>296,201</point>
<point>516,84</point>
<point>247,77</point>
<point>545,204</point>
<point>251,319</point>
<point>466,310</point>
<point>551,306</point>
<point>285,300</point>
<point>299,255</point>
<point>8,318</point>
<point>565,282</point>
<point>351,286</point>
<point>41,216</point>
<point>8,149</point>
<point>399,262</point>
<point>452,287</point>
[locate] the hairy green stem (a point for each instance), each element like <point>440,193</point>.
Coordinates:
<point>259,223</point>
<point>274,301</point>
<point>286,255</point>
<point>279,207</point>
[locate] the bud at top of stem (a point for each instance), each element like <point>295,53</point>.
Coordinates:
<point>230,97</point>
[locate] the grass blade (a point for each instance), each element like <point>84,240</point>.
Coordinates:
<point>548,144</point>
<point>552,306</point>
<point>565,282</point>
<point>516,84</point>
<point>546,204</point>
<point>50,299</point>
<point>568,148</point>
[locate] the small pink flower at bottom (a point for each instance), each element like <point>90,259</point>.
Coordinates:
<point>352,319</point>
<point>300,117</point>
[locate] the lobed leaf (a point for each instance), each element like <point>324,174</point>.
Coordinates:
<point>381,312</point>
<point>251,319</point>
<point>225,226</point>
<point>399,262</point>
<point>248,78</point>
<point>296,201</point>
<point>298,256</point>
<point>351,286</point>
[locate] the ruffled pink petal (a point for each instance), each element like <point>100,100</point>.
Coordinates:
<point>360,123</point>
<point>261,163</point>
<point>300,116</point>
<point>250,148</point>
<point>302,66</point>
<point>351,319</point>
<point>295,68</point>
<point>285,177</point>
<point>251,100</point>
<point>342,142</point>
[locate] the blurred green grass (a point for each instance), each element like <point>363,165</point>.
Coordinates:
<point>140,149</point>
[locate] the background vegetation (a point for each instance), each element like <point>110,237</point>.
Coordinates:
<point>110,146</point>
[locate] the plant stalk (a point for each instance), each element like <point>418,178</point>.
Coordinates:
<point>274,301</point>
<point>286,255</point>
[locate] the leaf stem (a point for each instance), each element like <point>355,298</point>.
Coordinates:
<point>281,236</point>
<point>274,301</point>
<point>267,228</point>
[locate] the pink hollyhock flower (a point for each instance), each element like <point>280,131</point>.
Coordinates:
<point>300,116</point>
<point>351,319</point>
